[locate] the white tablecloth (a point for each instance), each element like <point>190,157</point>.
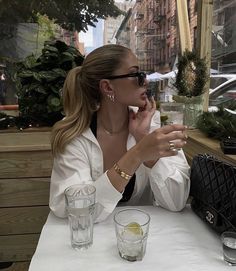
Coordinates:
<point>177,241</point>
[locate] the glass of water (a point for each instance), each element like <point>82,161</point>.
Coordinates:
<point>228,239</point>
<point>80,204</point>
<point>131,226</point>
<point>172,113</point>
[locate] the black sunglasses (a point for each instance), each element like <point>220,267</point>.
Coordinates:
<point>141,77</point>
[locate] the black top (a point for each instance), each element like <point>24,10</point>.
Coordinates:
<point>130,186</point>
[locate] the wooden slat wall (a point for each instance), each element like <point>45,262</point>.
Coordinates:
<point>22,220</point>
<point>18,248</point>
<point>25,166</point>
<point>24,192</point>
<point>17,266</point>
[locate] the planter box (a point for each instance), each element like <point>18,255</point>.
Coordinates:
<point>25,170</point>
<point>197,142</point>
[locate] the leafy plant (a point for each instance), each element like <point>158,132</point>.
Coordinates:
<point>71,15</point>
<point>220,124</point>
<point>191,76</point>
<point>39,83</point>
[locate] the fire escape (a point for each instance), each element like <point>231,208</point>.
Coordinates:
<point>155,42</point>
<point>147,37</point>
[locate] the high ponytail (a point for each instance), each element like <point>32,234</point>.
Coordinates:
<point>77,112</point>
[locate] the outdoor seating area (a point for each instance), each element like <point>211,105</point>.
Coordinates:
<point>26,193</point>
<point>118,135</point>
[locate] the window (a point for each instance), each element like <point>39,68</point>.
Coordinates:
<point>195,6</point>
<point>223,95</point>
<point>195,38</point>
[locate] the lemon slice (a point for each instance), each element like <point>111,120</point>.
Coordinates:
<point>134,228</point>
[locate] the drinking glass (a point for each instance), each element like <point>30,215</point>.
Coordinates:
<point>172,113</point>
<point>228,239</point>
<point>131,226</point>
<point>80,204</point>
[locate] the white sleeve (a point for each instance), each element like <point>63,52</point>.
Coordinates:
<point>169,178</point>
<point>169,181</point>
<point>73,167</point>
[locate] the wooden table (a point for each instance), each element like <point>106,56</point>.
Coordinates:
<point>199,143</point>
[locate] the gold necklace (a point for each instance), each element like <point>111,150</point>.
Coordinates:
<point>123,128</point>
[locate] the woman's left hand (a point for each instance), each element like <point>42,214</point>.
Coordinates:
<point>139,122</point>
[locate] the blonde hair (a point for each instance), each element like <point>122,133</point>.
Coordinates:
<point>81,94</point>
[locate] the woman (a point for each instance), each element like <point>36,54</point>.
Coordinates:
<point>121,151</point>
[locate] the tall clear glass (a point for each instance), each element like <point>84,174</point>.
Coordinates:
<point>80,203</point>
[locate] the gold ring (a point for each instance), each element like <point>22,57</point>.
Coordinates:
<point>172,146</point>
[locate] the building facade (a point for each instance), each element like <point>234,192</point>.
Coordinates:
<point>224,36</point>
<point>111,25</point>
<point>152,33</point>
<point>150,29</point>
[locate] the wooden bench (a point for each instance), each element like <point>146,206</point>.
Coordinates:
<point>25,169</point>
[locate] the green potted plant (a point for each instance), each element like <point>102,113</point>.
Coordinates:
<point>39,83</point>
<point>220,124</point>
<point>190,85</point>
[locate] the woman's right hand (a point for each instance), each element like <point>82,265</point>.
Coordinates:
<point>162,142</point>
<point>139,122</point>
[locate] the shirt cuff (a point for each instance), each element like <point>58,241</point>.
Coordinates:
<point>106,193</point>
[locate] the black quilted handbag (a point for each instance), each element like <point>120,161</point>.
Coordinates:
<point>213,192</point>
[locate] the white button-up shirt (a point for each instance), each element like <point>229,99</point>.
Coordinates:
<point>166,183</point>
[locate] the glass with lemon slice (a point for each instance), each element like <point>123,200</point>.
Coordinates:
<point>132,226</point>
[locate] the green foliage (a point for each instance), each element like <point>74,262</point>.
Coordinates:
<point>218,125</point>
<point>46,31</point>
<point>48,27</point>
<point>191,76</point>
<point>39,82</point>
<point>70,14</point>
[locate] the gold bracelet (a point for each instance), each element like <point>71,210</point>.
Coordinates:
<point>122,174</point>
